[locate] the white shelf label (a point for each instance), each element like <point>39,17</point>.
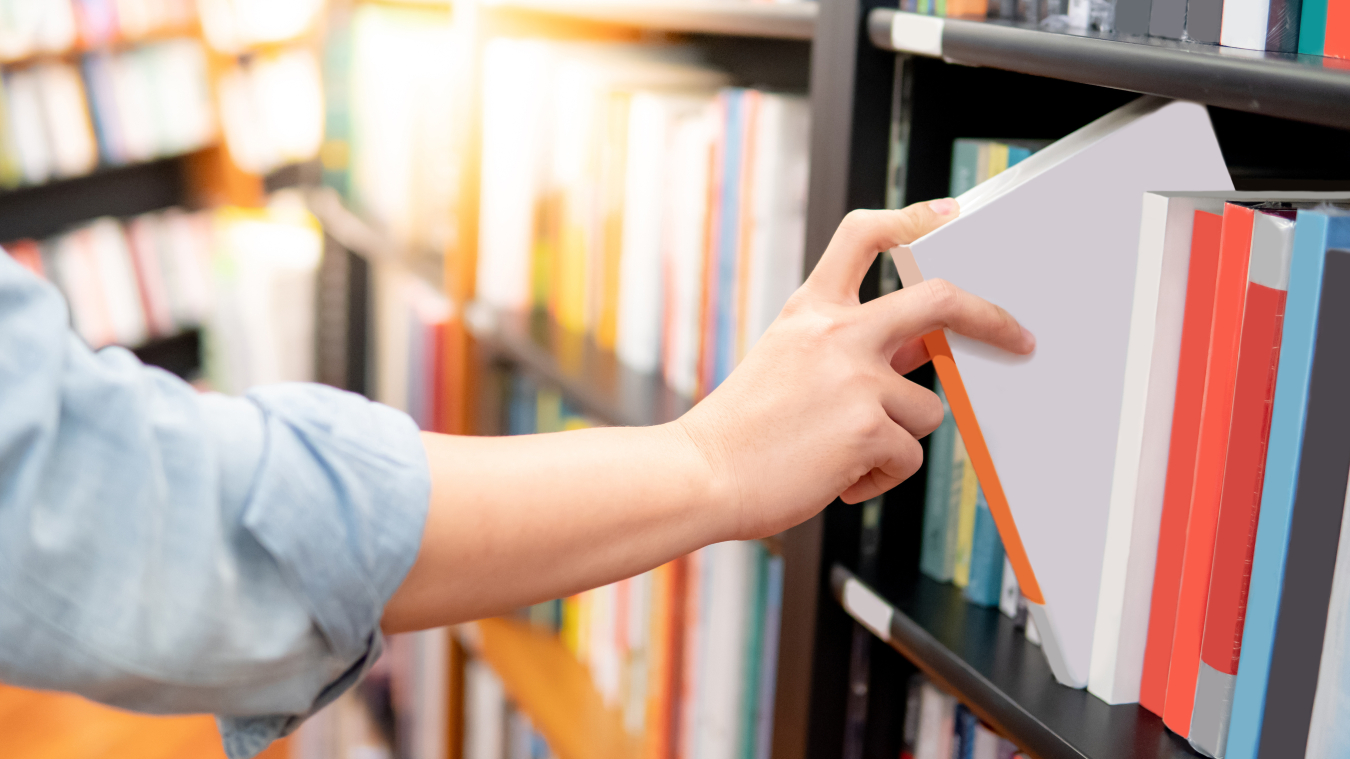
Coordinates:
<point>868,608</point>
<point>921,35</point>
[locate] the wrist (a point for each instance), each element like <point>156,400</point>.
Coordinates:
<point>706,461</point>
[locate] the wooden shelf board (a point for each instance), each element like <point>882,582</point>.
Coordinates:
<point>547,683</point>
<point>980,657</point>
<point>790,20</point>
<point>1300,87</point>
<point>45,725</point>
<point>587,374</point>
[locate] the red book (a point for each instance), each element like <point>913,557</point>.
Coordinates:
<point>1200,278</point>
<point>1244,472</point>
<point>1211,452</point>
<point>29,256</point>
<point>1337,41</point>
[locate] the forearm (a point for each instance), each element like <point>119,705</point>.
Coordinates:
<point>519,520</point>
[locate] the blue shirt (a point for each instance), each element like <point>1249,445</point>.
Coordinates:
<point>169,551</point>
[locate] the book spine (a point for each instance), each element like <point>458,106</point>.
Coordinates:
<point>1230,294</point>
<point>1336,37</point>
<point>1312,27</point>
<point>952,534</point>
<point>986,560</point>
<point>1204,20</point>
<point>1132,16</point>
<point>1319,504</point>
<point>768,668</point>
<point>1244,23</point>
<point>1202,272</point>
<point>1167,18</point>
<point>933,551</point>
<point>1244,471</point>
<point>1283,25</point>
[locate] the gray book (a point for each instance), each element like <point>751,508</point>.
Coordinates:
<point>1204,20</point>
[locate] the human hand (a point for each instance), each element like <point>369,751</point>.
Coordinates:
<point>819,408</point>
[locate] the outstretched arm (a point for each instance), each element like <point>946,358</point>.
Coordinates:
<point>819,409</point>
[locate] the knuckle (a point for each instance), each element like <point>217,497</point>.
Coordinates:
<point>910,457</point>
<point>930,412</point>
<point>942,295</point>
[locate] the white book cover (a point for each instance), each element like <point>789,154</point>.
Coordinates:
<point>728,616</point>
<point>777,236</point>
<point>69,131</point>
<point>685,239</point>
<point>937,723</point>
<point>484,712</point>
<point>27,127</point>
<point>118,280</point>
<point>639,310</point>
<point>1054,240</point>
<point>514,129</point>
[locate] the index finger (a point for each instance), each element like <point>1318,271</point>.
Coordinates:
<point>864,233</point>
<point>937,304</point>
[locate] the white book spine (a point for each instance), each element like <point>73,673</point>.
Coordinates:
<point>640,303</point>
<point>1245,23</point>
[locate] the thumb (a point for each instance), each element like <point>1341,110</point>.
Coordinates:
<point>864,233</point>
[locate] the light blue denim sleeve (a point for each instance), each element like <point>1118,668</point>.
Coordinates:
<point>168,551</point>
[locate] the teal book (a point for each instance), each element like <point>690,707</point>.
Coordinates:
<point>1017,154</point>
<point>768,656</point>
<point>754,644</point>
<point>986,557</point>
<point>965,162</point>
<point>933,559</point>
<point>1312,27</point>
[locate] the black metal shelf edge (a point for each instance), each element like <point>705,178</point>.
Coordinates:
<point>587,374</point>
<point>1299,87</point>
<point>789,20</point>
<point>979,656</point>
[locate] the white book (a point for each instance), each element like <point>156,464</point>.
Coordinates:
<point>484,712</point>
<point>118,280</point>
<point>1055,240</point>
<point>27,127</point>
<point>685,240</point>
<point>1329,729</point>
<point>1009,596</point>
<point>76,268</point>
<point>514,131</point>
<point>70,134</point>
<point>986,743</point>
<point>182,93</point>
<point>728,588</point>
<point>937,723</point>
<point>143,234</point>
<point>777,244</point>
<point>135,106</point>
<point>638,337</point>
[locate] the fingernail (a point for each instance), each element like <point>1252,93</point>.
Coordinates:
<point>943,207</point>
<point>1029,339</point>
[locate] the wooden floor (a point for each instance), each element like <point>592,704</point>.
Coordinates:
<point>37,725</point>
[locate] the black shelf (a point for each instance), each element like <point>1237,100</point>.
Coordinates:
<point>587,374</point>
<point>1300,87</point>
<point>43,210</point>
<point>978,655</point>
<point>791,20</point>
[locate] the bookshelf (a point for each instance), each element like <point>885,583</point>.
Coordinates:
<point>978,653</point>
<point>547,682</point>
<point>1302,87</point>
<point>792,20</point>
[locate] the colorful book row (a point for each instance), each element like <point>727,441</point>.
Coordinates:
<point>937,726</point>
<point>38,27</point>
<point>636,199</point>
<point>1312,27</point>
<point>688,651</point>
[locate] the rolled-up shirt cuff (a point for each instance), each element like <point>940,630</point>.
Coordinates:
<point>354,479</point>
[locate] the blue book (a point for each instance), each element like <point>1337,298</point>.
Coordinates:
<point>728,240</point>
<point>965,165</point>
<point>1304,471</point>
<point>1017,154</point>
<point>964,745</point>
<point>986,557</point>
<point>522,411</point>
<point>937,495</point>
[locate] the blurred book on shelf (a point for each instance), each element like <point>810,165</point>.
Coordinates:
<point>243,276</point>
<point>236,26</point>
<point>271,109</point>
<point>687,653</point>
<point>637,199</point>
<point>937,726</point>
<point>390,121</point>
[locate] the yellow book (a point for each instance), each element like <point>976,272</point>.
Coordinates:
<point>998,158</point>
<point>548,411</point>
<point>613,171</point>
<point>571,623</point>
<point>965,525</point>
<point>544,251</point>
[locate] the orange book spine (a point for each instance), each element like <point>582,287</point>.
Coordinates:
<point>1216,413</point>
<point>1337,43</point>
<point>615,162</point>
<point>1196,322</point>
<point>747,223</point>
<point>663,680</point>
<point>707,350</point>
